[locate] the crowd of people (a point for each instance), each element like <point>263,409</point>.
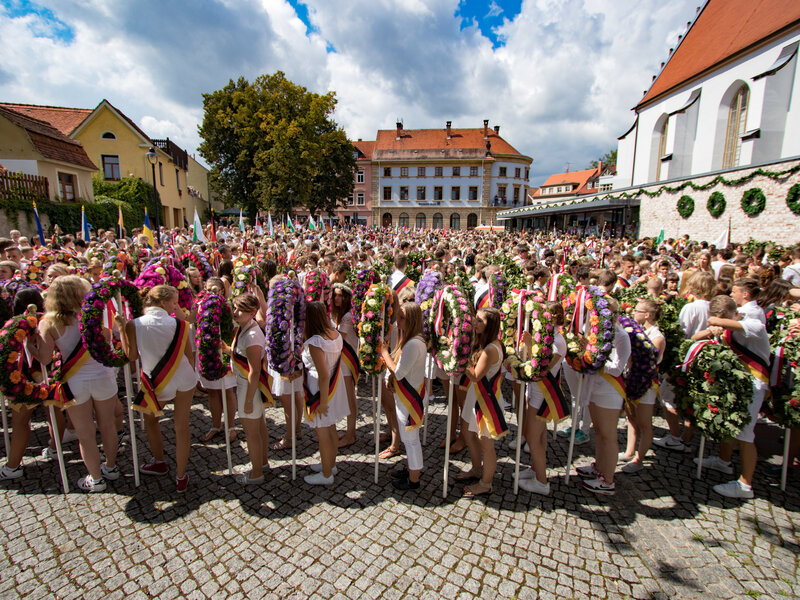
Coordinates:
<point>738,295</point>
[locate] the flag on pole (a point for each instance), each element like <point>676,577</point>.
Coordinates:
<point>258,229</point>
<point>147,230</point>
<point>722,240</point>
<point>120,223</point>
<point>241,221</point>
<point>311,225</point>
<point>660,238</point>
<point>39,229</point>
<point>84,225</point>
<point>269,224</point>
<point>198,236</point>
<point>289,223</point>
<point>213,228</point>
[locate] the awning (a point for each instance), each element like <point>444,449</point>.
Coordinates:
<point>585,205</point>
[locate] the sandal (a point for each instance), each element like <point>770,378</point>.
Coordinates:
<point>467,475</point>
<point>389,452</point>
<point>211,434</point>
<point>477,489</point>
<point>282,444</point>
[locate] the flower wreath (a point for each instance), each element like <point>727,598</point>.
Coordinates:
<point>588,354</point>
<point>430,283</point>
<point>285,301</point>
<point>450,324</point>
<point>753,202</point>
<point>643,372</point>
<point>199,261</point>
<point>714,390</point>
<point>672,331</point>
<point>160,274</point>
<point>793,199</point>
<point>91,319</point>
<point>8,293</point>
<point>118,262</point>
<point>214,324</point>
<point>318,287</point>
<point>784,402</point>
<point>360,284</point>
<point>629,297</point>
<point>244,277</point>
<point>685,206</point>
<point>36,269</point>
<point>565,287</point>
<point>716,204</point>
<point>542,331</point>
<point>498,289</point>
<point>376,315</point>
<point>13,383</point>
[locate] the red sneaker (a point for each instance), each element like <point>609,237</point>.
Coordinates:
<point>156,467</point>
<point>181,483</point>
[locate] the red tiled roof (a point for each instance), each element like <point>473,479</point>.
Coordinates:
<point>573,177</point>
<point>365,148</point>
<point>61,118</point>
<point>437,139</point>
<point>50,142</point>
<point>723,29</point>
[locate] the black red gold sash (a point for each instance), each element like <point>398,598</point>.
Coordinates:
<point>403,283</point>
<point>313,400</point>
<point>412,400</point>
<point>63,395</point>
<point>616,382</point>
<point>154,384</point>
<point>622,282</point>
<point>555,406</point>
<point>350,358</point>
<point>242,367</point>
<point>758,367</point>
<point>487,407</point>
<point>482,300</point>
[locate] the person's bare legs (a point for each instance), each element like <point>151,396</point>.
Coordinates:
<point>606,444</point>
<point>83,422</point>
<point>255,444</point>
<point>105,413</point>
<point>387,402</point>
<point>328,448</point>
<point>536,436</point>
<point>183,405</point>
<point>20,435</point>
<point>644,425</point>
<point>633,432</point>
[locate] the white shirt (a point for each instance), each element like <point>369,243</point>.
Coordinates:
<point>693,317</point>
<point>792,274</point>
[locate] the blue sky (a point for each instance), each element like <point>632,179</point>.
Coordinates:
<point>559,76</point>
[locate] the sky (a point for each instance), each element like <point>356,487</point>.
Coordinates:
<point>560,77</point>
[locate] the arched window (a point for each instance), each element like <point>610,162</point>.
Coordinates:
<point>387,219</point>
<point>420,221</point>
<point>438,221</point>
<point>108,135</point>
<point>737,119</point>
<point>472,220</point>
<point>402,220</point>
<point>659,147</point>
<point>455,221</point>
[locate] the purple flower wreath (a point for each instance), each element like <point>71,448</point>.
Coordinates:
<point>198,260</point>
<point>285,301</point>
<point>13,384</point>
<point>644,368</point>
<point>498,285</point>
<point>214,323</point>
<point>430,283</point>
<point>91,319</point>
<point>361,282</point>
<point>157,273</point>
<point>318,288</point>
<point>8,292</point>
<point>589,355</point>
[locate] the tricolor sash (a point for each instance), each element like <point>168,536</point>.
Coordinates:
<point>412,400</point>
<point>77,358</point>
<point>622,282</point>
<point>555,406</point>
<point>312,401</point>
<point>154,384</point>
<point>758,367</point>
<point>242,367</point>
<point>483,300</point>
<point>579,315</point>
<point>403,283</point>
<point>350,358</point>
<point>617,383</point>
<point>487,407</point>
<point>552,292</point>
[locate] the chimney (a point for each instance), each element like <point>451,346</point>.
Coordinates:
<point>447,126</point>
<point>399,129</point>
<point>497,129</point>
<point>599,168</point>
<point>485,128</point>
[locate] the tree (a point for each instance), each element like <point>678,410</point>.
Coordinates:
<point>609,158</point>
<point>272,146</point>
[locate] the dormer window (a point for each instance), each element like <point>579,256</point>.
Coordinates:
<point>108,135</point>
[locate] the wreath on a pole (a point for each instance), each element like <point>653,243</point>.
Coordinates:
<point>286,306</point>
<point>685,206</point>
<point>753,202</point>
<point>793,199</point>
<point>716,204</point>
<point>91,319</point>
<point>13,382</point>
<point>450,326</point>
<point>526,306</point>
<point>214,324</point>
<point>376,313</point>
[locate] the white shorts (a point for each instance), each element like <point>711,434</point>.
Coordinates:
<point>241,399</point>
<point>667,395</point>
<point>97,388</point>
<point>747,434</point>
<point>610,401</point>
<point>184,380</point>
<point>649,397</point>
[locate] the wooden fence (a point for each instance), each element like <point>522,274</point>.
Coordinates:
<point>22,186</point>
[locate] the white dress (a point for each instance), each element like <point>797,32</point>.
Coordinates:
<point>468,412</point>
<point>154,332</point>
<point>348,331</point>
<point>338,407</point>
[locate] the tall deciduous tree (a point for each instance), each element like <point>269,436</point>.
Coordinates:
<point>272,145</point>
<point>609,158</point>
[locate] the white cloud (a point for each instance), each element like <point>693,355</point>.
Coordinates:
<point>561,86</point>
<point>494,10</point>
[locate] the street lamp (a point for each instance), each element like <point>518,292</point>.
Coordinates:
<point>152,157</point>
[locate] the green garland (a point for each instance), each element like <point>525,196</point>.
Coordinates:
<point>753,202</point>
<point>793,199</point>
<point>685,206</point>
<point>716,204</point>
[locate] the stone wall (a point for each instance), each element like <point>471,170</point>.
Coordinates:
<point>776,222</point>
<point>25,222</point>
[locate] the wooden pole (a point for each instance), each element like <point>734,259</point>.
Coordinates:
<point>129,401</point>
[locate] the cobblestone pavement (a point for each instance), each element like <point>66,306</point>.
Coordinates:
<point>664,534</point>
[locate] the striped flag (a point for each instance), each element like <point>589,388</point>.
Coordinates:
<point>84,225</point>
<point>146,230</point>
<point>269,224</point>
<point>39,229</point>
<point>120,223</point>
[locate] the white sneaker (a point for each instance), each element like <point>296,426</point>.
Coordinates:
<point>527,474</point>
<point>632,467</point>
<point>622,458</point>
<point>49,453</point>
<point>317,468</point>
<point>7,474</point>
<point>247,480</point>
<point>111,474</point>
<point>734,489</point>
<point>589,471</point>
<point>715,463</point>
<point>535,486</point>
<point>670,442</point>
<point>89,484</point>
<point>69,436</point>
<point>318,479</point>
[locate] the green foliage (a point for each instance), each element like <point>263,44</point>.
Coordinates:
<point>685,206</point>
<point>793,199</point>
<point>609,158</point>
<point>272,146</point>
<point>753,202</point>
<point>716,204</point>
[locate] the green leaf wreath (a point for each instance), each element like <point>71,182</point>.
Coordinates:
<point>753,202</point>
<point>716,204</point>
<point>685,206</point>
